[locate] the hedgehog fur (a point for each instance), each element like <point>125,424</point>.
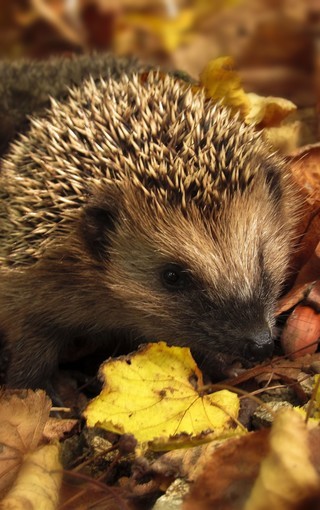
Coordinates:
<point>125,181</point>
<point>27,85</point>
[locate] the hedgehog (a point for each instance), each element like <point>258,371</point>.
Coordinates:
<point>137,209</point>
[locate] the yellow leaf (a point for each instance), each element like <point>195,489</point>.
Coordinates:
<point>287,475</point>
<point>268,111</point>
<point>222,83</point>
<point>153,394</point>
<point>170,30</point>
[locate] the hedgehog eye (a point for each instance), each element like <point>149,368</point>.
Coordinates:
<point>174,277</point>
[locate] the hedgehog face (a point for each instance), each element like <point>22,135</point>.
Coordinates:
<point>209,281</point>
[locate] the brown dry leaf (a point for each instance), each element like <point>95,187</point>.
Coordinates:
<point>306,286</point>
<point>301,332</point>
<point>311,270</point>
<point>261,471</point>
<point>308,242</point>
<point>228,476</point>
<point>293,297</point>
<point>187,463</point>
<point>38,483</point>
<point>89,496</point>
<point>22,419</point>
<point>305,169</point>
<point>313,298</point>
<point>56,428</point>
<point>287,477</point>
<point>288,369</point>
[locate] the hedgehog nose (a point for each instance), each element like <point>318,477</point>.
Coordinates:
<point>259,347</point>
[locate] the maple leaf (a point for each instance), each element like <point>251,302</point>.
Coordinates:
<point>154,395</point>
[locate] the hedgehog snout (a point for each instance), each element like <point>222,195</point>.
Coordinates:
<point>259,346</point>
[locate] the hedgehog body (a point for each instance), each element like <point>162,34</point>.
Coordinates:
<point>136,208</point>
<point>27,85</point>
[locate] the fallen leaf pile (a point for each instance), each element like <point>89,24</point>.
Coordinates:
<point>154,424</point>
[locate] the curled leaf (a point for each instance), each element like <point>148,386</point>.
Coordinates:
<point>287,475</point>
<point>222,83</point>
<point>268,111</point>
<point>37,486</point>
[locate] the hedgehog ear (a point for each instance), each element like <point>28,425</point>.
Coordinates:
<point>99,219</point>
